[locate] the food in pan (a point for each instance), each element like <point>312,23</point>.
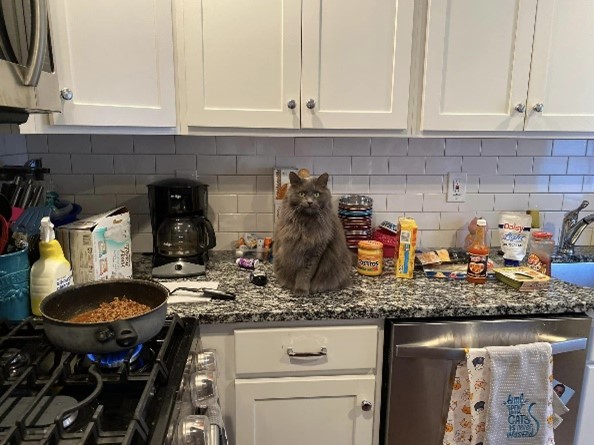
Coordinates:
<point>118,309</point>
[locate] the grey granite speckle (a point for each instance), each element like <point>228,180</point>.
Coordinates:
<point>370,297</point>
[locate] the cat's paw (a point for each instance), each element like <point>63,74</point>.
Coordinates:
<point>300,292</point>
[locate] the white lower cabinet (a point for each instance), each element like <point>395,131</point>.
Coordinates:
<point>329,410</point>
<point>584,433</point>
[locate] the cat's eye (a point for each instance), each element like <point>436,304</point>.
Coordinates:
<point>302,194</point>
<point>316,194</point>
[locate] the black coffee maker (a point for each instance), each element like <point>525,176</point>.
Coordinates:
<point>182,235</point>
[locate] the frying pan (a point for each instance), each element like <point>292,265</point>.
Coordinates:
<point>105,337</point>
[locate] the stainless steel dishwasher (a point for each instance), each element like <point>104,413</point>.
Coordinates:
<point>422,356</point>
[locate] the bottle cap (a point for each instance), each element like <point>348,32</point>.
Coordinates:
<point>542,235</point>
<point>46,230</point>
<point>481,222</point>
<point>371,244</point>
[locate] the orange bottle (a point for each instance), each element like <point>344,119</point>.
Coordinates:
<point>478,255</point>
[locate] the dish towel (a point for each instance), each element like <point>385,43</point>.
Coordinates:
<point>520,404</point>
<point>466,416</point>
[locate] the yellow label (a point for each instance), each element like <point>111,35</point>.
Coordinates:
<point>370,262</point>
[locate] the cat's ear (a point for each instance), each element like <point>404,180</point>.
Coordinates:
<point>295,180</point>
<point>322,180</point>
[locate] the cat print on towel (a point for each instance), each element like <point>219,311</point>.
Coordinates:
<point>521,421</point>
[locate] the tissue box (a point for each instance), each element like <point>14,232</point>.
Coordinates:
<point>98,247</point>
<point>522,278</point>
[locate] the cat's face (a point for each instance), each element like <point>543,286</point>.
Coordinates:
<point>310,195</point>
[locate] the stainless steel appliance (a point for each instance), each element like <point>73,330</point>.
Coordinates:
<point>28,81</point>
<point>182,235</point>
<point>422,356</point>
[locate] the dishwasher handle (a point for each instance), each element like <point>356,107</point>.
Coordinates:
<point>559,345</point>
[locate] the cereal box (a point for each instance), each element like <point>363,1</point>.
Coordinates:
<point>405,254</point>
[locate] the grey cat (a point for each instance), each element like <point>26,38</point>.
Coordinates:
<point>310,250</point>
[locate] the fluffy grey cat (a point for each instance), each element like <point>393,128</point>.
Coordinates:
<point>310,250</point>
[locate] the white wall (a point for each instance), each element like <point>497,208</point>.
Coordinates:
<point>404,176</point>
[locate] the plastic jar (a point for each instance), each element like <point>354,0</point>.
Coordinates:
<point>371,258</point>
<point>540,249</point>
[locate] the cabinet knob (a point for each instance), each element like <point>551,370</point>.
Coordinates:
<point>520,108</point>
<point>291,104</point>
<point>366,405</point>
<point>311,104</point>
<point>538,107</point>
<point>66,94</point>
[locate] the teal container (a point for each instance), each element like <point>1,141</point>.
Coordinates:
<point>14,286</point>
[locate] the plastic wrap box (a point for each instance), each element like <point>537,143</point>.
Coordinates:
<point>98,247</point>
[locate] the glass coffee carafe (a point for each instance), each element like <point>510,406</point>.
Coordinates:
<point>185,236</point>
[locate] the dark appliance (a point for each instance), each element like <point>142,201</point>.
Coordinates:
<point>182,235</point>
<point>49,396</point>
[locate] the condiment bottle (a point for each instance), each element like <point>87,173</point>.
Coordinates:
<point>478,255</point>
<point>370,259</point>
<point>540,249</point>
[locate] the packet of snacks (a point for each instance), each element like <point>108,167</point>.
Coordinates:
<point>405,254</point>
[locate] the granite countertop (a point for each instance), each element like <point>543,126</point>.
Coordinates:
<point>372,297</point>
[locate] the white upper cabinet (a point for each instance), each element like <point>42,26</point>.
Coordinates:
<point>561,78</point>
<point>477,64</point>
<point>116,57</point>
<point>270,64</point>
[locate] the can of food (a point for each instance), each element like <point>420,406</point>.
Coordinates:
<point>370,260</point>
<point>247,263</point>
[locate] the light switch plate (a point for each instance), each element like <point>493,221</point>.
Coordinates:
<point>456,187</point>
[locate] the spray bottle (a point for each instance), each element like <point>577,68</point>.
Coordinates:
<point>52,270</point>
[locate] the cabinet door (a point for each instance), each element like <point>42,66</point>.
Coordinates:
<point>117,59</point>
<point>307,410</point>
<point>356,63</point>
<point>584,431</point>
<point>562,67</point>
<point>242,62</point>
<point>477,62</point>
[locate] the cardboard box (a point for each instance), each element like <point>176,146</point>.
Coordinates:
<point>522,278</point>
<point>281,185</point>
<point>98,247</point>
<point>405,254</point>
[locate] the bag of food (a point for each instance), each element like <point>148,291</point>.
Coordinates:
<point>514,231</point>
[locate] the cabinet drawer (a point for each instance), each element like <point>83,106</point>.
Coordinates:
<point>305,350</point>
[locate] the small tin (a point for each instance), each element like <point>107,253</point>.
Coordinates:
<point>247,263</point>
<point>370,259</point>
<point>258,277</point>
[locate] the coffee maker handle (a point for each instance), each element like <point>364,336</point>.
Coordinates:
<point>212,240</point>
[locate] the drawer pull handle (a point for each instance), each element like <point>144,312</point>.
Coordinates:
<point>323,352</point>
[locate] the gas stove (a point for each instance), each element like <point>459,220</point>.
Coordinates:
<point>48,396</point>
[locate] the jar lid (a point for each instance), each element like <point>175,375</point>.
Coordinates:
<point>371,244</point>
<point>542,235</point>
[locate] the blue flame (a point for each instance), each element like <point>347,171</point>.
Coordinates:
<point>115,359</point>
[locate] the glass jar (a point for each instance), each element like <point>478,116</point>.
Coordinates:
<point>371,258</point>
<point>540,249</point>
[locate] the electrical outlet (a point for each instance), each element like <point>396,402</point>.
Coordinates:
<point>456,187</point>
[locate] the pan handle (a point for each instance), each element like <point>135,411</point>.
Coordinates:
<point>122,330</point>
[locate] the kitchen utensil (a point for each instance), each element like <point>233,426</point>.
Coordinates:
<point>3,234</point>
<point>99,338</point>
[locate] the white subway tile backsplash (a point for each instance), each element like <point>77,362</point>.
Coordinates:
<point>210,180</point>
<point>455,221</point>
<point>13,159</point>
<point>566,184</point>
<point>69,143</point>
<point>572,147</point>
<point>572,201</point>
<point>520,165</point>
<point>134,203</point>
<point>235,145</point>
<point>380,203</point>
<point>426,147</point>
<point>265,184</point>
<point>223,203</point>
<point>255,165</point>
<point>438,165</point>
<point>111,143</point>
<point>350,184</point>
<point>389,146</point>
<point>463,147</point>
<point>275,146</point>
<point>92,163</point>
<point>472,183</point>
<point>410,202</point>
<point>143,164</point>
<point>114,184</point>
<point>511,202</point>
<point>240,222</point>
<point>582,165</point>
<point>498,147</point>
<point>295,161</point>
<point>333,165</point>
<point>424,184</point>
<point>226,240</point>
<point>478,202</point>
<point>535,147</point>
<point>93,204</point>
<point>238,184</point>
<point>496,184</point>
<point>313,146</point>
<point>549,166</point>
<point>36,143</point>
<point>168,164</point>
<point>545,201</point>
<point>203,145</point>
<point>216,165</point>
<point>588,186</point>
<point>437,203</point>
<point>81,184</point>
<point>410,165</point>
<point>254,204</point>
<point>437,238</point>
<point>590,148</point>
<point>154,144</point>
<point>369,165</point>
<point>142,222</point>
<point>57,163</point>
<point>479,166</point>
<point>425,220</point>
<point>531,184</point>
<point>143,180</point>
<point>387,184</point>
<point>351,147</point>
<point>142,242</point>
<point>265,222</point>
